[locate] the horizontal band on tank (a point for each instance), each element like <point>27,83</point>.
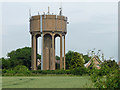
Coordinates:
<point>50,30</point>
<point>48,17</point>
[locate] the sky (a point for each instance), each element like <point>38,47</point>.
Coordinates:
<point>91,25</point>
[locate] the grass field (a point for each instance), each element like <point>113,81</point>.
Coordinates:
<point>47,81</point>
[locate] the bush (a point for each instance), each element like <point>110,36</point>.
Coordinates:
<point>108,80</point>
<point>21,69</point>
<point>79,71</point>
<point>11,72</point>
<point>76,71</point>
<point>18,70</point>
<point>8,72</point>
<point>113,80</point>
<point>51,72</point>
<point>4,71</point>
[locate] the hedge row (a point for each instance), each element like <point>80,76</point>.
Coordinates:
<point>51,72</point>
<point>76,71</point>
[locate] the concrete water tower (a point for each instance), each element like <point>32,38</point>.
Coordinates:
<point>47,26</point>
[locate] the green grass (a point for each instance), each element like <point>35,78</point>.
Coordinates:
<point>47,81</point>
<point>0,82</point>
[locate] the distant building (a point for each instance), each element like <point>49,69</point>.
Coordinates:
<point>38,62</point>
<point>95,61</point>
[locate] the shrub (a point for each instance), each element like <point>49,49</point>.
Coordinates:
<point>3,70</point>
<point>79,71</point>
<point>108,80</point>
<point>113,80</point>
<point>10,72</point>
<point>18,70</point>
<point>51,72</point>
<point>21,69</point>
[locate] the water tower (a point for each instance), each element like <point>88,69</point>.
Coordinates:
<point>48,27</point>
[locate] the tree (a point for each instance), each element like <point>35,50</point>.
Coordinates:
<point>5,63</point>
<point>57,65</point>
<point>86,58</point>
<point>21,56</point>
<point>110,63</point>
<point>108,66</point>
<point>57,58</point>
<point>98,53</point>
<point>77,60</point>
<point>68,58</point>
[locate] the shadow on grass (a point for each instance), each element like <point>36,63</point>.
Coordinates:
<point>21,81</point>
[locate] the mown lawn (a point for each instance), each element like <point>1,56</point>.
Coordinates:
<point>47,81</point>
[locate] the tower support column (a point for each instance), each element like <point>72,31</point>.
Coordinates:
<point>43,54</point>
<point>34,52</point>
<point>64,52</point>
<point>61,61</point>
<point>53,52</point>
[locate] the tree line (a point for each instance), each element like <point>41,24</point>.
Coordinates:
<point>22,56</point>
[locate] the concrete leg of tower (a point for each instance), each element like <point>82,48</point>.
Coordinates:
<point>47,57</point>
<point>48,52</point>
<point>53,52</point>
<point>61,61</point>
<point>43,54</point>
<point>51,60</point>
<point>34,52</point>
<point>64,52</point>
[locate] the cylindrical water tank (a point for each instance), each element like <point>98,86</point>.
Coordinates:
<point>51,23</point>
